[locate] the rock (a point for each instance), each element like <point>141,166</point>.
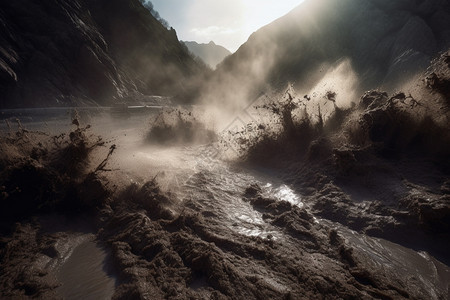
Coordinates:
<point>252,191</point>
<point>387,42</point>
<point>72,53</point>
<point>373,99</point>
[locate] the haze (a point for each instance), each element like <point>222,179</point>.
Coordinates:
<point>226,22</point>
<point>312,163</point>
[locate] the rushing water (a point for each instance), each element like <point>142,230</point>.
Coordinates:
<point>418,268</point>
<point>215,187</point>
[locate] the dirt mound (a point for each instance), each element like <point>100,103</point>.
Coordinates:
<point>178,126</point>
<point>23,275</point>
<point>42,174</point>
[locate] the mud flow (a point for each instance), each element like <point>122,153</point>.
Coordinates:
<point>183,221</point>
<point>264,232</point>
<point>83,274</point>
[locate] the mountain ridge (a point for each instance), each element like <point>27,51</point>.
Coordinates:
<point>383,43</point>
<point>211,53</point>
<point>72,53</point>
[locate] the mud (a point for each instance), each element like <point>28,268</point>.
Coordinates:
<point>36,251</point>
<point>225,233</point>
<point>174,126</point>
<point>190,255</point>
<point>47,189</point>
<point>23,269</point>
<point>84,274</point>
<point>380,168</point>
<point>355,210</point>
<point>41,173</point>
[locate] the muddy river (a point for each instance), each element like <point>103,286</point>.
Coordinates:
<point>200,179</point>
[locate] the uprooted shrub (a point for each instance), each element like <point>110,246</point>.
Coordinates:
<point>178,126</point>
<point>41,173</point>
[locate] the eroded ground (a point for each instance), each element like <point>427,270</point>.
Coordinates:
<point>365,217</point>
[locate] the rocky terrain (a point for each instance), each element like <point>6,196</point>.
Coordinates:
<point>210,53</point>
<point>75,53</point>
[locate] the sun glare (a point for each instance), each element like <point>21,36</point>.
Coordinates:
<point>226,22</point>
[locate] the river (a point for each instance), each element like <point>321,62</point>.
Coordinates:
<point>203,181</point>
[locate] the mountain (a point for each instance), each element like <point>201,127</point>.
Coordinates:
<point>356,44</point>
<point>88,52</point>
<point>210,53</point>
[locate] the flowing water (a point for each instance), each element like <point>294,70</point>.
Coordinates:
<point>215,188</point>
<point>201,180</point>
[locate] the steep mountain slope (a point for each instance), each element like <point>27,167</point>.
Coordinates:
<point>83,52</point>
<point>210,53</point>
<point>378,42</point>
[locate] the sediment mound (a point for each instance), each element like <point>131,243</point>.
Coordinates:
<point>175,126</point>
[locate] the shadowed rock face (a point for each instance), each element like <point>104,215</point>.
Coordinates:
<point>56,53</point>
<point>384,40</point>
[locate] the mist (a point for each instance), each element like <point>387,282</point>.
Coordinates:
<point>311,163</point>
<point>307,45</point>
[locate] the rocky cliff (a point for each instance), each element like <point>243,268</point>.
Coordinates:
<point>84,52</point>
<point>382,43</point>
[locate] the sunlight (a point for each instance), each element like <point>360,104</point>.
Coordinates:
<point>340,79</point>
<point>262,12</point>
<point>227,23</point>
<point>285,193</point>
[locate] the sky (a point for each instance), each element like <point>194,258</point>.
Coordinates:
<point>228,23</point>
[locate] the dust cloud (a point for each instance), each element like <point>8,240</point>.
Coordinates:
<point>330,190</point>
